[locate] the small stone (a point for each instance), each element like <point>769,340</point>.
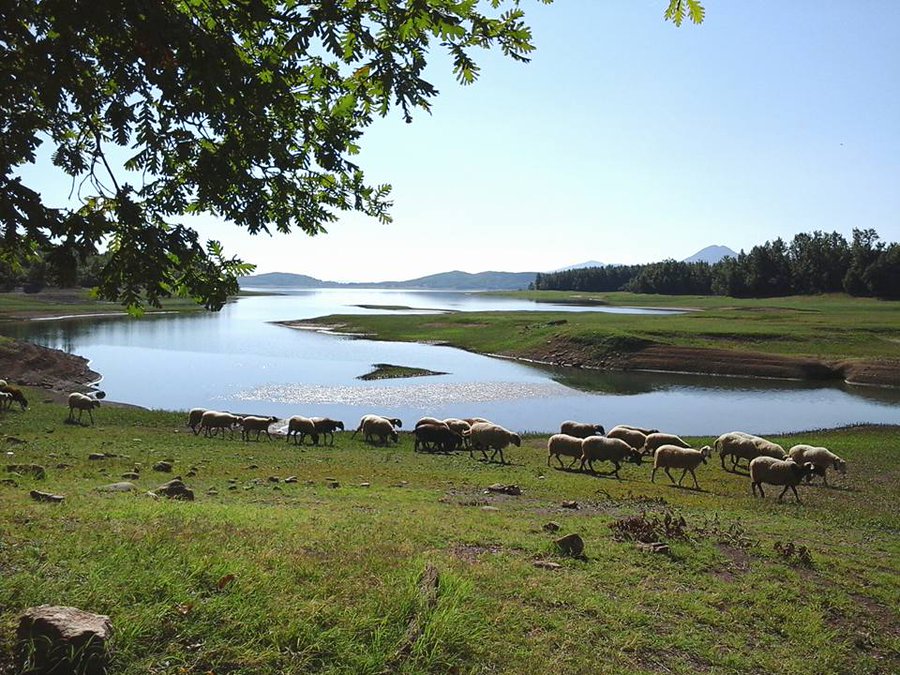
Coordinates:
<point>274,479</point>
<point>212,492</point>
<point>489,508</point>
<point>504,489</point>
<point>131,475</point>
<point>117,487</point>
<point>96,455</point>
<point>232,487</point>
<point>290,479</point>
<point>277,487</point>
<point>233,480</point>
<point>334,484</point>
<point>35,470</point>
<point>63,640</point>
<point>547,564</point>
<point>653,547</point>
<point>569,504</point>
<point>252,466</point>
<point>310,482</point>
<point>39,496</point>
<point>541,477</point>
<point>329,478</point>
<point>175,489</point>
<point>164,467</point>
<point>9,481</point>
<point>12,440</point>
<point>571,544</point>
<point>191,473</point>
<point>550,527</point>
<point>63,465</point>
<point>365,485</point>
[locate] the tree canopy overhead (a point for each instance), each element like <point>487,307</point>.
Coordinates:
<point>250,110</point>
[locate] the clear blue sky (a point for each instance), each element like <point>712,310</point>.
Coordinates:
<point>629,140</point>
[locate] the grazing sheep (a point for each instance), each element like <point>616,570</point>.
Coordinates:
<point>643,430</point>
<point>327,426</point>
<point>606,449</point>
<point>476,420</point>
<point>580,429</point>
<point>436,437</point>
<point>381,428</point>
<point>212,421</point>
<point>300,427</point>
<point>739,445</point>
<point>16,394</point>
<point>673,457</point>
<point>564,444</point>
<point>194,419</point>
<point>633,437</point>
<point>81,402</point>
<point>365,418</point>
<point>821,458</point>
<point>6,400</point>
<point>432,421</point>
<point>257,424</point>
<point>457,425</point>
<point>485,436</point>
<point>773,471</point>
<point>657,439</point>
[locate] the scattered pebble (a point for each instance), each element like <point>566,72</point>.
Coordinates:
<point>504,489</point>
<point>489,508</point>
<point>274,479</point>
<point>365,485</point>
<point>96,455</point>
<point>117,487</point>
<point>290,479</point>
<point>569,504</point>
<point>39,496</point>
<point>131,475</point>
<point>571,544</point>
<point>547,564</point>
<point>652,547</point>
<point>164,467</point>
<point>550,527</point>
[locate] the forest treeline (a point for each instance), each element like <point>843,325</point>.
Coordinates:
<point>812,263</point>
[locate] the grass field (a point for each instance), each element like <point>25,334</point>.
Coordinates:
<point>257,576</point>
<point>829,326</point>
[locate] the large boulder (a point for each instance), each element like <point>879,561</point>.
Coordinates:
<point>63,640</point>
<point>175,489</point>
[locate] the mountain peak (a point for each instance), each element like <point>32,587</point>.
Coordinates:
<point>711,254</point>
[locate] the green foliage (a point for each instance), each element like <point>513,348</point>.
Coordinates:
<point>248,111</point>
<point>678,9</point>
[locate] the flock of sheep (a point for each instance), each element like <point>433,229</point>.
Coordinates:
<point>768,463</point>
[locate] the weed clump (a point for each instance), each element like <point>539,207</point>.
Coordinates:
<point>650,528</point>
<point>794,554</point>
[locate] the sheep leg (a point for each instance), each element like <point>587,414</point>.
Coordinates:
<point>694,476</point>
<point>825,478</point>
<point>653,475</point>
<point>786,489</point>
<point>615,471</point>
<point>761,493</point>
<point>683,473</point>
<point>670,476</point>
<point>571,464</point>
<point>91,415</point>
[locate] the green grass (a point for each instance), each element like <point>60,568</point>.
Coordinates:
<point>829,326</point>
<point>388,371</point>
<point>326,579</point>
<point>74,301</point>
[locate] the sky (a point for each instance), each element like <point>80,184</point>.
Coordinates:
<point>625,140</point>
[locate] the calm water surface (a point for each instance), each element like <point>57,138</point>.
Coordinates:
<point>237,360</point>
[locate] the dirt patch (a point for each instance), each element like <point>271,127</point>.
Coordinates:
<point>738,562</point>
<point>668,358</point>
<point>30,365</point>
<point>470,553</point>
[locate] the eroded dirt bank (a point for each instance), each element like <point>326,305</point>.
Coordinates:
<point>24,363</point>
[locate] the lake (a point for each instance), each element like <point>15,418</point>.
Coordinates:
<point>237,360</point>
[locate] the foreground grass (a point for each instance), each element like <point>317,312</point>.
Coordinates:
<point>325,579</point>
<point>825,327</point>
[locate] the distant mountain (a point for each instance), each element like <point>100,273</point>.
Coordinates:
<point>711,254</point>
<point>445,281</point>
<point>588,263</point>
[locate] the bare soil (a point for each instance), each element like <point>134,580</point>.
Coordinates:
<point>24,363</point>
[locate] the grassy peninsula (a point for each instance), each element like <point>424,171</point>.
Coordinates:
<point>325,574</point>
<point>803,337</point>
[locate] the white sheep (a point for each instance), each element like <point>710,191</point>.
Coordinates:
<point>194,419</point>
<point>258,424</point>
<point>300,427</point>
<point>382,428</point>
<point>433,421</point>
<point>773,471</point>
<point>485,436</point>
<point>476,420</point>
<point>580,429</point>
<point>633,437</point>
<point>564,444</point>
<point>656,439</point>
<point>673,457</point>
<point>327,426</point>
<point>81,402</point>
<point>212,421</point>
<point>740,445</point>
<point>365,418</point>
<point>821,458</point>
<point>604,449</point>
<point>643,430</point>
<point>16,394</point>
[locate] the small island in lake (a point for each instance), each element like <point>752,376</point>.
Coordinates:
<point>388,371</point>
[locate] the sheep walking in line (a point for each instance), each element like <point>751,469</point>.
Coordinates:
<point>633,437</point>
<point>366,418</point>
<point>821,458</point>
<point>194,417</point>
<point>658,439</point>
<point>564,445</point>
<point>213,421</point>
<point>778,472</point>
<point>81,402</point>
<point>673,457</point>
<point>459,426</point>
<point>325,426</point>
<point>739,445</point>
<point>251,423</point>
<point>615,450</point>
<point>300,427</point>
<point>486,436</point>
<point>17,395</point>
<point>643,430</point>
<point>580,429</point>
<point>436,437</point>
